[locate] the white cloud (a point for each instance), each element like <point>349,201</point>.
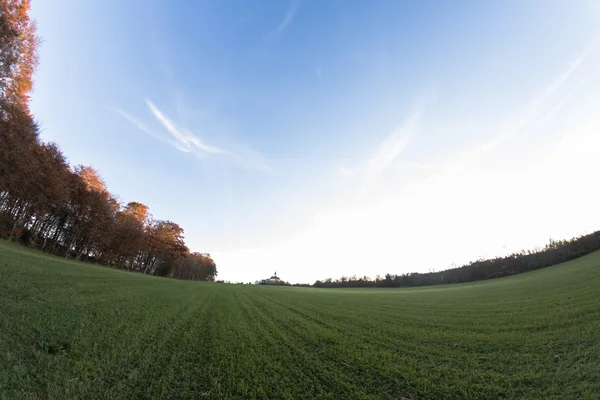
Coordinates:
<point>184,140</point>
<point>387,152</point>
<point>319,72</point>
<point>396,142</point>
<point>139,124</point>
<point>548,102</point>
<point>286,21</point>
<point>346,171</point>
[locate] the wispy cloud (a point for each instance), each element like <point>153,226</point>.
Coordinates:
<point>387,152</point>
<point>319,72</point>
<point>548,102</point>
<point>344,171</point>
<point>184,140</point>
<point>541,107</point>
<point>285,22</point>
<point>396,142</point>
<point>139,124</point>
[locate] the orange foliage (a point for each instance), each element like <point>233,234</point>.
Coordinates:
<point>18,52</point>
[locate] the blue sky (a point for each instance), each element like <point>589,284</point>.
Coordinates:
<point>329,138</point>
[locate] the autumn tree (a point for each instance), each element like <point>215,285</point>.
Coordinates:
<point>19,166</point>
<point>164,245</point>
<point>127,238</point>
<point>197,267</point>
<point>46,204</point>
<point>18,132</point>
<point>18,53</point>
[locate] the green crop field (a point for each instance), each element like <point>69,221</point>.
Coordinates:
<point>70,330</point>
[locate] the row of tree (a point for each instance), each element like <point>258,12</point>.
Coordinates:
<point>553,253</point>
<point>49,205</point>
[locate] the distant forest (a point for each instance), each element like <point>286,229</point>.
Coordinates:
<point>553,253</point>
<point>67,210</point>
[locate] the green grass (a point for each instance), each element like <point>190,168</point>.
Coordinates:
<point>75,331</point>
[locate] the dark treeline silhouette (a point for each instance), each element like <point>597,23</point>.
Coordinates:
<point>554,253</point>
<point>68,211</point>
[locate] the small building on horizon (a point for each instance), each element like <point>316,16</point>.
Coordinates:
<point>273,280</point>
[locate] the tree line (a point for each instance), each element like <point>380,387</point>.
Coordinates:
<point>553,253</point>
<point>67,210</point>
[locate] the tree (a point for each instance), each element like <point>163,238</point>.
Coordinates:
<point>18,53</point>
<point>197,267</point>
<point>68,211</point>
<point>127,236</point>
<point>164,246</point>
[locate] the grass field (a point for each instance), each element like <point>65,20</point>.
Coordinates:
<point>75,331</point>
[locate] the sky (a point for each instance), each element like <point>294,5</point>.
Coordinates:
<point>333,138</point>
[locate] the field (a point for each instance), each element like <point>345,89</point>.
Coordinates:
<point>75,331</point>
